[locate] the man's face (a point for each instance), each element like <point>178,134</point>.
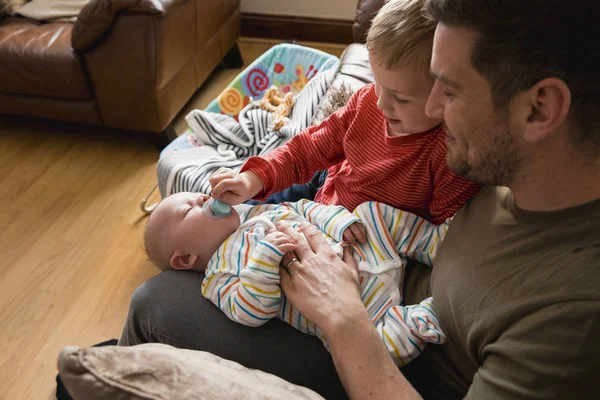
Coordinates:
<point>481,140</point>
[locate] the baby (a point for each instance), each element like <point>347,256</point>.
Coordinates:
<point>240,251</point>
<point>381,146</point>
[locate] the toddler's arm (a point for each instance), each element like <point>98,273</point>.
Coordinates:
<point>314,149</point>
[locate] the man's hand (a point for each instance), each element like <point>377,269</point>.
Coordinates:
<point>356,231</point>
<point>326,290</point>
<point>322,287</point>
<point>280,240</point>
<point>234,188</point>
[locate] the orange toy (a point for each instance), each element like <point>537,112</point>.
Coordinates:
<point>279,106</point>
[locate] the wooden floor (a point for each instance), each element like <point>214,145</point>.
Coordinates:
<point>70,235</point>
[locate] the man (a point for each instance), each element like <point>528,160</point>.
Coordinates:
<point>516,281</point>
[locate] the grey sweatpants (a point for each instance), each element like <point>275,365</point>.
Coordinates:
<point>169,308</point>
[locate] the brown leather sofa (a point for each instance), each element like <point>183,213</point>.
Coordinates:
<point>126,64</point>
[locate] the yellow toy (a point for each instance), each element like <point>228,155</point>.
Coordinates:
<point>302,79</point>
<point>279,106</point>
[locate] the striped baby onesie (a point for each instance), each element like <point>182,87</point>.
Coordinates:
<point>242,277</point>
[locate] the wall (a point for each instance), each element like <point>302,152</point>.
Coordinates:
<point>334,9</point>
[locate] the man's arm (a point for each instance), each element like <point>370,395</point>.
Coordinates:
<point>325,290</point>
<point>364,365</point>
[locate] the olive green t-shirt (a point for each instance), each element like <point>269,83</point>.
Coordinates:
<point>517,294</point>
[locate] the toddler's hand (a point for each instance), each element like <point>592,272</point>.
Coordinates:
<point>234,188</point>
<point>280,240</point>
<point>356,231</point>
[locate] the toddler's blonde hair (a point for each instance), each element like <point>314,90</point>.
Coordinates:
<point>401,34</point>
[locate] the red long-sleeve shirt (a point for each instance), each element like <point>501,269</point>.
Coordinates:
<point>366,164</point>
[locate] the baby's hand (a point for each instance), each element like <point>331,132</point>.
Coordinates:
<point>356,231</point>
<point>280,240</point>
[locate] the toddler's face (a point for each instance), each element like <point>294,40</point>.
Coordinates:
<point>179,225</point>
<point>402,94</point>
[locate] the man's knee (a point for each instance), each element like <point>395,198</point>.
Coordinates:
<point>169,289</point>
<point>159,305</point>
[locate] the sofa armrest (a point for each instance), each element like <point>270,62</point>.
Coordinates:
<point>97,17</point>
<point>365,11</point>
<point>149,65</point>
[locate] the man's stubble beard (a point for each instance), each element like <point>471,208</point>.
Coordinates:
<point>498,163</point>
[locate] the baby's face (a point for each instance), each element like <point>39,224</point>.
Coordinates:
<point>179,225</point>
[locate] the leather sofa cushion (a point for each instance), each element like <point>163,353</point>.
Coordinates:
<point>365,12</point>
<point>38,60</point>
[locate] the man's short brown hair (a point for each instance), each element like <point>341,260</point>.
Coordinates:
<point>521,43</point>
<point>401,35</point>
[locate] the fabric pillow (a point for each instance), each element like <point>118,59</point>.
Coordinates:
<point>158,371</point>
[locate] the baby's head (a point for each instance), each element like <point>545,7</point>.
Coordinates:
<point>400,42</point>
<point>180,235</point>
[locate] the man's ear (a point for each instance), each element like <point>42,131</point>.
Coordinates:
<point>548,102</point>
<point>180,260</point>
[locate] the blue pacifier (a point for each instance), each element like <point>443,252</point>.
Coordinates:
<point>216,209</point>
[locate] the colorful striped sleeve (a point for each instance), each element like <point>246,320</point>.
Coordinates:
<point>406,233</point>
<point>405,330</point>
<point>333,220</point>
<point>253,297</point>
